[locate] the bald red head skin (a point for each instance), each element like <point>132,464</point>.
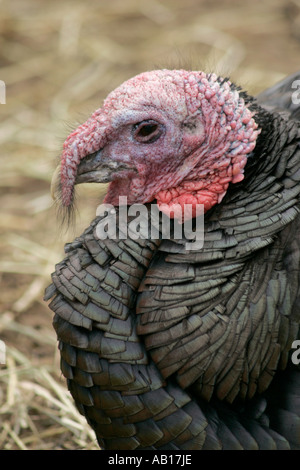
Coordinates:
<point>174,136</point>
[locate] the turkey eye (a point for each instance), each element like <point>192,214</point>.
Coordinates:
<point>147,131</point>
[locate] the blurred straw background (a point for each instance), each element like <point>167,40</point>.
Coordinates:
<point>58,60</point>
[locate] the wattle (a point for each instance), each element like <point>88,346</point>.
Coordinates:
<point>172,201</point>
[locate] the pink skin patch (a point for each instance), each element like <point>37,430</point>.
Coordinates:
<point>205,135</point>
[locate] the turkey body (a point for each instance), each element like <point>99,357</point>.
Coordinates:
<point>165,348</point>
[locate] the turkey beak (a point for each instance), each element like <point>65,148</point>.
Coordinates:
<point>99,168</point>
<point>94,169</point>
<point>91,169</point>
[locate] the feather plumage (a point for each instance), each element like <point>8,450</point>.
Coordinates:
<point>165,348</point>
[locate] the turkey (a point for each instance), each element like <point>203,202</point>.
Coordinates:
<point>167,345</point>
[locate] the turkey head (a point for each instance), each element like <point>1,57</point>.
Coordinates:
<point>176,137</point>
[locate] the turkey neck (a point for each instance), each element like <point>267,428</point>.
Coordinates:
<point>277,141</point>
<point>236,283</point>
<point>263,204</point>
